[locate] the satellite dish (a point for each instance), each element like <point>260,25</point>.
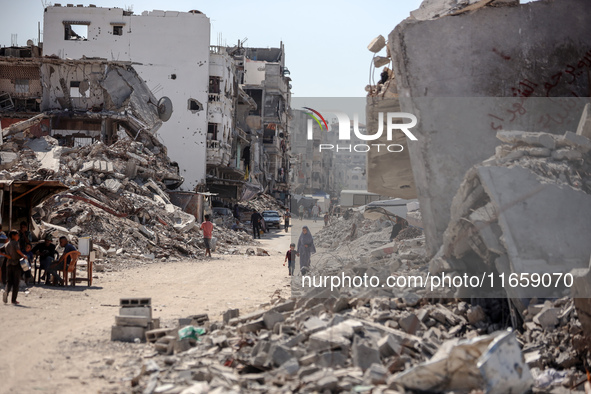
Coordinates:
<point>164,108</point>
<point>29,43</point>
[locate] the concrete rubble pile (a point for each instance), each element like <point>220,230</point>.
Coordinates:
<point>262,202</point>
<point>509,210</point>
<point>116,196</point>
<point>334,342</point>
<point>352,228</point>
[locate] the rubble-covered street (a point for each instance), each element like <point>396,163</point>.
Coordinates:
<point>177,218</point>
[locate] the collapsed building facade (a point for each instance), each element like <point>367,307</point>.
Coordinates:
<point>229,127</point>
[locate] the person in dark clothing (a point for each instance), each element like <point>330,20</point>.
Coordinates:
<point>3,241</point>
<point>68,247</point>
<point>255,219</point>
<point>13,267</point>
<point>47,255</point>
<point>305,249</point>
<point>398,226</point>
<point>290,258</point>
<point>24,236</point>
<point>286,217</point>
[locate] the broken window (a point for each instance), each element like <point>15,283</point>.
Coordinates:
<point>75,89</point>
<point>21,86</point>
<point>76,31</point>
<point>212,131</point>
<point>214,85</point>
<point>117,30</point>
<point>194,105</point>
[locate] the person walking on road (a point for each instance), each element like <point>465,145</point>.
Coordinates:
<point>315,211</point>
<point>301,212</point>
<point>286,217</point>
<point>13,267</point>
<point>255,219</point>
<point>305,249</point>
<point>290,259</point>
<point>207,228</point>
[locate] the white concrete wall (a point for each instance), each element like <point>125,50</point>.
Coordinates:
<point>254,72</point>
<point>221,112</point>
<point>163,43</point>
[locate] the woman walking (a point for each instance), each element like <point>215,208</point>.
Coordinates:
<point>305,249</point>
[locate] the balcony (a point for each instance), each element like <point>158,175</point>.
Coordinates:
<point>218,153</point>
<point>273,145</point>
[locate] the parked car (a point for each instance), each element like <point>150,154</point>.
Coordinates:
<point>272,219</point>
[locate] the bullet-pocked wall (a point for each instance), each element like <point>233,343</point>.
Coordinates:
<point>170,51</point>
<point>538,49</point>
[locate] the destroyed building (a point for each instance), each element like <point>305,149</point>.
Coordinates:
<point>313,171</point>
<point>263,76</point>
<point>117,34</point>
<point>230,103</point>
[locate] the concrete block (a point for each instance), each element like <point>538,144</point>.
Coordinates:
<point>136,311</point>
<point>135,302</point>
<point>132,321</point>
<point>127,334</point>
<point>279,355</point>
<point>410,323</point>
<point>314,324</point>
<point>375,374</point>
<point>548,317</point>
<point>332,360</point>
<point>389,346</point>
<point>153,335</point>
<point>364,355</point>
<point>291,366</point>
<point>165,344</point>
<point>230,314</point>
<point>253,326</point>
<point>271,318</point>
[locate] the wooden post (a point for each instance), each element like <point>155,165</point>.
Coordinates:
<point>10,209</point>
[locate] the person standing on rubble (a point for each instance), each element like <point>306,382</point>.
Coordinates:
<point>305,249</point>
<point>207,228</point>
<point>13,267</point>
<point>255,219</point>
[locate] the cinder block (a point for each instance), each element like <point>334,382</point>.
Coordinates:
<point>136,311</point>
<point>153,335</point>
<point>165,344</point>
<point>127,334</point>
<point>134,302</point>
<point>132,321</point>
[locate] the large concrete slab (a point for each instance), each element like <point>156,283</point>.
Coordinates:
<point>537,49</point>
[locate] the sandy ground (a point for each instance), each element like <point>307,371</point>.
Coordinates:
<point>58,340</point>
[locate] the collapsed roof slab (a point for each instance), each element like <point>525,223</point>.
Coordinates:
<point>537,49</point>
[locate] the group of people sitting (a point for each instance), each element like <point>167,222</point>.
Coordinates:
<point>19,245</point>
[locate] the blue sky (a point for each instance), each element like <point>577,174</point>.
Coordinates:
<point>325,41</point>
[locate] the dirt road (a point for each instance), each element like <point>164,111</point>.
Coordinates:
<point>58,340</point>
